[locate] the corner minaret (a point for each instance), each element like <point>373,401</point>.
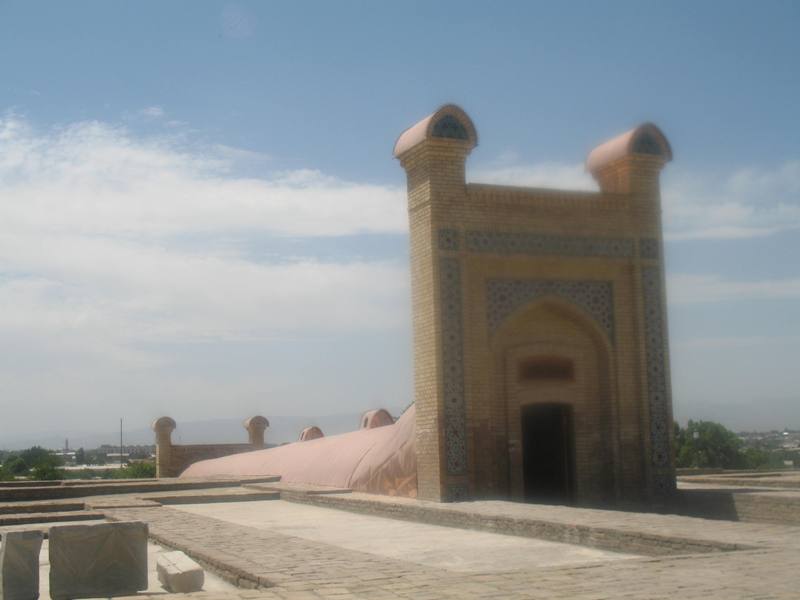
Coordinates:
<point>631,162</point>
<point>433,153</point>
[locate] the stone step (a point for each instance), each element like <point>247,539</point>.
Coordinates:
<point>49,517</point>
<point>13,508</point>
<point>23,483</point>
<point>298,488</point>
<point>98,488</point>
<point>106,502</point>
<point>210,496</point>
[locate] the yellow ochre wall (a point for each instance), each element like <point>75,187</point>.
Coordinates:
<point>501,273</point>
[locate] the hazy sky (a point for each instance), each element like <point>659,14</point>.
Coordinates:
<point>200,215</point>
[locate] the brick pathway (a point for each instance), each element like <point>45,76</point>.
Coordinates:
<point>298,569</point>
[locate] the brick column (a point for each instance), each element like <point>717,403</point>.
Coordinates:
<point>255,427</point>
<point>433,154</point>
<point>163,428</point>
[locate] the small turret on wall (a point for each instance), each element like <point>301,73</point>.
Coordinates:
<point>311,433</point>
<point>631,162</point>
<point>172,459</point>
<point>376,418</point>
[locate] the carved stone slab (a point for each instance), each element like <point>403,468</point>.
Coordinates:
<point>101,560</point>
<point>19,565</point>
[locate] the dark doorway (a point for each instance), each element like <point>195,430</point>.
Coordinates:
<point>547,452</point>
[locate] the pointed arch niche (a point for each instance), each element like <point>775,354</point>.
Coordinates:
<point>554,375</point>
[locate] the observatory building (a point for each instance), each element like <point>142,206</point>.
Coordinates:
<point>540,339</point>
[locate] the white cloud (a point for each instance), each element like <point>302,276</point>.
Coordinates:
<point>152,112</point>
<point>99,287</point>
<point>98,179</point>
<point>239,154</point>
<point>746,202</point>
<point>546,175</point>
<point>92,263</point>
<point>691,289</point>
<point>145,292</point>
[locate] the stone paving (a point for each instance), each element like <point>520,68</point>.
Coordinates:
<point>449,548</point>
<point>688,557</point>
<point>295,568</point>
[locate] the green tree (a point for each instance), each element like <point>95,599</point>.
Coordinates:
<point>80,457</point>
<point>35,455</point>
<point>46,471</point>
<point>756,458</point>
<point>16,465</point>
<point>706,444</point>
<point>36,462</point>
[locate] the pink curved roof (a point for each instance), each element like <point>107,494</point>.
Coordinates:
<point>382,460</point>
<point>421,130</point>
<point>622,145</point>
<point>413,135</point>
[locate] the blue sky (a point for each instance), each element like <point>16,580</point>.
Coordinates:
<point>201,216</point>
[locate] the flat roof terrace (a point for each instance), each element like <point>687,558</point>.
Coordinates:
<point>327,543</point>
<point>435,546</point>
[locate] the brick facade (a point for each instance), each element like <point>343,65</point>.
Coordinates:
<point>504,275</point>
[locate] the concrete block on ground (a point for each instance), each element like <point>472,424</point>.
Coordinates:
<point>101,560</point>
<point>179,574</point>
<point>19,565</point>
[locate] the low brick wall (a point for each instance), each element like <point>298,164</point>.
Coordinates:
<point>692,471</point>
<point>747,505</point>
<point>184,455</point>
<point>768,508</point>
<point>28,483</point>
<point>748,481</point>
<point>16,494</point>
<point>173,459</point>
<point>634,542</point>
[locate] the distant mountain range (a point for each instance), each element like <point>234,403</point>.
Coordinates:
<point>216,431</point>
<point>763,415</point>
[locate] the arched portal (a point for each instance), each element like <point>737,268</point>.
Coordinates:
<point>553,366</point>
<point>548,448</point>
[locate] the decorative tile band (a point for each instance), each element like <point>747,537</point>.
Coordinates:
<point>537,244</point>
<point>658,394</point>
<point>649,248</point>
<point>504,296</point>
<point>457,493</point>
<point>449,239</point>
<point>455,417</point>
